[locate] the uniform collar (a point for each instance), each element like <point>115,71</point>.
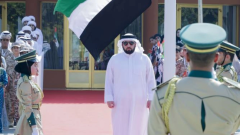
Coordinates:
<point>200,74</point>
<point>22,75</point>
<point>229,64</point>
<point>215,66</point>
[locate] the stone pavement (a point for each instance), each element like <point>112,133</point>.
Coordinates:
<point>9,131</point>
<point>238,132</point>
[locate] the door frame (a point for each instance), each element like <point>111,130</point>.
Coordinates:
<point>180,6</point>
<point>4,15</point>
<point>101,85</point>
<point>66,61</point>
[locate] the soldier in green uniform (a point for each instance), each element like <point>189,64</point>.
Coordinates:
<point>197,104</point>
<point>225,58</point>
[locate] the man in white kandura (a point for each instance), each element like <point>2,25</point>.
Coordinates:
<point>128,87</point>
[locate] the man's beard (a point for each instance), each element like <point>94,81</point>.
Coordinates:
<point>4,46</point>
<point>129,51</point>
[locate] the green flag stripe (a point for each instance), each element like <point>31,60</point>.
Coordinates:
<point>67,6</point>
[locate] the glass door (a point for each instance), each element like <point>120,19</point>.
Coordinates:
<point>100,65</point>
<point>188,14</point>
<point>78,71</point>
<point>83,71</point>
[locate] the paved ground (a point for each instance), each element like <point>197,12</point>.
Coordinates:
<point>8,131</point>
<point>74,113</point>
<point>11,131</point>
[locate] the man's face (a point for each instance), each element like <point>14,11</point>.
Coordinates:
<point>152,41</point>
<point>34,39</point>
<point>27,31</point>
<point>129,46</point>
<point>16,50</point>
<point>20,36</point>
<point>32,26</point>
<point>5,43</point>
<point>25,23</point>
<point>29,42</point>
<point>220,58</point>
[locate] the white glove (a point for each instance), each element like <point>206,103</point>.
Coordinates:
<point>35,131</point>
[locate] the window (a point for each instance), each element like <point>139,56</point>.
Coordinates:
<point>105,55</point>
<point>15,13</point>
<point>161,19</point>
<point>135,28</point>
<point>1,18</point>
<point>52,29</point>
<point>78,54</point>
<point>230,22</point>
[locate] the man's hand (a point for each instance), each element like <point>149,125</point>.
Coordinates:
<point>148,104</point>
<point>110,104</point>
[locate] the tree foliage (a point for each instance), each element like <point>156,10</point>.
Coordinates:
<point>15,11</point>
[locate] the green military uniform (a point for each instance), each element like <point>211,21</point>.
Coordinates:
<point>30,98</point>
<point>197,104</point>
<point>227,70</point>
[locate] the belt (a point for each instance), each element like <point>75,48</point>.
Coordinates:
<point>35,106</point>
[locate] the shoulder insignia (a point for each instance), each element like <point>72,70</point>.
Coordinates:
<point>231,82</point>
<point>218,67</point>
<point>164,84</point>
<point>227,68</point>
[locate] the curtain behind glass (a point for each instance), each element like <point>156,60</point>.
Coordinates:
<point>229,23</point>
<point>52,29</point>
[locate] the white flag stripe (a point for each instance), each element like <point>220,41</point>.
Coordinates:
<point>84,13</point>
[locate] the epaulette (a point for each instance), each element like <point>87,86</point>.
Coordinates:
<point>163,84</point>
<point>25,79</point>
<point>231,82</point>
<point>227,68</point>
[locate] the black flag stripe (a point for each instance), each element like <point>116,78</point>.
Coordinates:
<point>110,22</point>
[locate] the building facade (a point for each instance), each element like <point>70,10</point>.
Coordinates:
<point>68,65</point>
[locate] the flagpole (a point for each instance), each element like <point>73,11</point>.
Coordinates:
<point>169,65</point>
<point>200,12</point>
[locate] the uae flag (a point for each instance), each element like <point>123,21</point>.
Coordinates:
<point>98,22</point>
